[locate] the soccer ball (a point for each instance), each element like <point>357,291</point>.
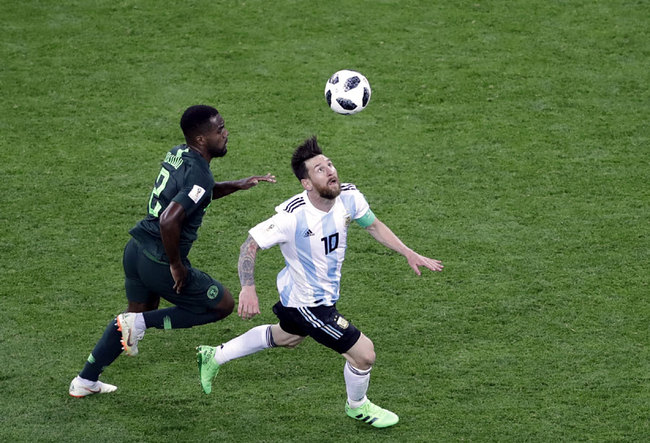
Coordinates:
<point>347,92</point>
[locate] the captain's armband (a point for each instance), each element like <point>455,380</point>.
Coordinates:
<point>367,219</point>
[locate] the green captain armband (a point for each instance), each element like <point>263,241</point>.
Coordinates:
<point>367,219</point>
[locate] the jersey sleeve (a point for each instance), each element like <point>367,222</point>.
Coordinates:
<point>196,189</point>
<point>272,231</point>
<point>359,205</point>
<point>362,205</point>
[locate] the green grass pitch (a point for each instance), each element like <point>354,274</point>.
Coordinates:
<point>507,138</point>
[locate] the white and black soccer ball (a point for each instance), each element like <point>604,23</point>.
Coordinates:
<point>347,92</point>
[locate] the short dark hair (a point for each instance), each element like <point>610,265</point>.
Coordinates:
<point>309,149</point>
<point>196,120</point>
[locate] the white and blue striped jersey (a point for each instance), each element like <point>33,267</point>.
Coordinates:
<point>313,244</point>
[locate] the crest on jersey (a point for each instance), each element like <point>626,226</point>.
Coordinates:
<point>348,219</point>
<point>271,226</point>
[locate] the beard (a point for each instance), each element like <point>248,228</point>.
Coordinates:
<point>221,153</point>
<point>216,152</point>
<point>327,192</point>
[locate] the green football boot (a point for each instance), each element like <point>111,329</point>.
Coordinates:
<point>372,414</point>
<point>208,367</point>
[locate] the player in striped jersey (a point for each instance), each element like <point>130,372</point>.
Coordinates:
<point>311,229</point>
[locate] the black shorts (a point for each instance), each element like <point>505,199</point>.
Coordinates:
<point>322,323</point>
<point>147,279</point>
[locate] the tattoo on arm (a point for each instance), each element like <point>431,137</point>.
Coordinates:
<point>246,266</point>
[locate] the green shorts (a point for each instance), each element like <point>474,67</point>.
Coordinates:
<point>146,280</point>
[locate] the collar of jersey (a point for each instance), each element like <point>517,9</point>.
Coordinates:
<point>314,208</point>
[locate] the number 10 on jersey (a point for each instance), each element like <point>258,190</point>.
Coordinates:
<point>331,242</point>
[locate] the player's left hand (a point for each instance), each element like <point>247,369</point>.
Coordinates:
<point>247,183</point>
<point>249,305</point>
<point>416,260</point>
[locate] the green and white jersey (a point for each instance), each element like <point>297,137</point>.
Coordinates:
<point>185,178</point>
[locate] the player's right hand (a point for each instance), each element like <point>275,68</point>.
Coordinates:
<point>249,305</point>
<point>179,273</point>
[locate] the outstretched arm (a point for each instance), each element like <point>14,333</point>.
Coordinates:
<point>222,189</point>
<point>249,305</point>
<point>386,237</point>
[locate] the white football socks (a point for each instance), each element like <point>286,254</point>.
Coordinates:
<point>356,384</point>
<point>250,342</point>
<point>260,338</point>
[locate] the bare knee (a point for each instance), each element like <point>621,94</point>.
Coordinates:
<point>362,354</point>
<point>366,360</point>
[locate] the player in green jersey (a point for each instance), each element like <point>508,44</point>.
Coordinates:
<point>155,258</point>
